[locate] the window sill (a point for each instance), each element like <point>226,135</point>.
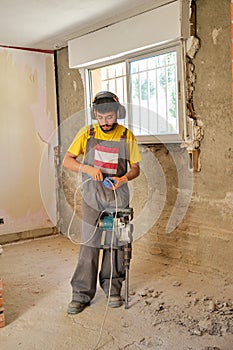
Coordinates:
<point>155,139</point>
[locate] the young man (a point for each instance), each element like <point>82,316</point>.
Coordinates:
<point>109,150</point>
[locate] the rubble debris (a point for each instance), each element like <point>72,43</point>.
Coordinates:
<point>150,293</point>
<point>176,284</point>
<point>201,315</point>
<point>143,293</point>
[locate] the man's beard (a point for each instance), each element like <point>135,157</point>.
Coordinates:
<point>112,128</point>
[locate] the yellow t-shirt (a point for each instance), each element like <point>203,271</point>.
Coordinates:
<point>78,146</point>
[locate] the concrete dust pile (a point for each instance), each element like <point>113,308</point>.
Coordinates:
<point>198,316</point>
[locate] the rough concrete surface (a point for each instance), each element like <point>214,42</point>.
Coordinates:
<point>172,306</point>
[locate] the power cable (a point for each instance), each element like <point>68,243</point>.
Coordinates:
<point>111,273</point>
<point>111,248</point>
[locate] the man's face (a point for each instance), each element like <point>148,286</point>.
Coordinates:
<point>106,120</point>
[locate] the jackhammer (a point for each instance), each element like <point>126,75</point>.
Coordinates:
<point>118,234</point>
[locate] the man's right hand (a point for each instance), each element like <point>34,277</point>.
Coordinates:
<point>95,173</point>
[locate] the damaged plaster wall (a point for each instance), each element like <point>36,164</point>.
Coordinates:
<point>205,235</point>
<point>202,227</point>
<point>70,94</point>
<point>28,117</point>
<point>213,192</point>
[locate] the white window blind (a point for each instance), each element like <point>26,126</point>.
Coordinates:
<point>143,31</point>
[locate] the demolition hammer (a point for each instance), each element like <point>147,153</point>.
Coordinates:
<point>117,222</point>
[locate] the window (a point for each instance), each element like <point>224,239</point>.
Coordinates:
<point>148,86</point>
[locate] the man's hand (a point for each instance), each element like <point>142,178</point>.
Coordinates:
<point>118,182</point>
<point>95,173</point>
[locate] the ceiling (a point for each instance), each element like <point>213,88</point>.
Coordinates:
<point>49,24</point>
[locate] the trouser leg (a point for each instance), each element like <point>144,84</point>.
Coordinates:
<point>84,279</point>
<point>118,271</point>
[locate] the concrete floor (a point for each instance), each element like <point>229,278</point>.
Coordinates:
<point>172,306</point>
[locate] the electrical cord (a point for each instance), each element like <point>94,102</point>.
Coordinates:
<point>74,211</point>
<point>111,248</point>
<point>111,273</point>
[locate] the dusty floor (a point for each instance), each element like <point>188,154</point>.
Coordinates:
<point>172,306</point>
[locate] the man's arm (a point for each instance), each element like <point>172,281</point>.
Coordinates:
<point>71,163</point>
<point>133,172</point>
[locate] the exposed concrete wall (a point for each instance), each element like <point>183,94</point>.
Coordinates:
<point>70,92</point>
<point>70,87</point>
<point>203,220</point>
<point>213,195</point>
<point>205,236</point>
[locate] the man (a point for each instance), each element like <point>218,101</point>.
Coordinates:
<point>109,150</point>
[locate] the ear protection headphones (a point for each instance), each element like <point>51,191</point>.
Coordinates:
<point>109,97</point>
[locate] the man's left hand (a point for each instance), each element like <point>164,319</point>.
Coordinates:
<point>119,181</point>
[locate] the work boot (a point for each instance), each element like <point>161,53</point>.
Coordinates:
<point>75,307</point>
<point>115,301</point>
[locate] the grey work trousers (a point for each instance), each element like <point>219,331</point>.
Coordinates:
<point>84,280</point>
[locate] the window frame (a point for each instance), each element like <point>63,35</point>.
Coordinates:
<point>159,49</point>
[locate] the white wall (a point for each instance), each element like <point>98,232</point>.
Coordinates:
<point>28,117</point>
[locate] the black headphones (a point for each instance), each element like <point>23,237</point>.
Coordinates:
<point>110,98</point>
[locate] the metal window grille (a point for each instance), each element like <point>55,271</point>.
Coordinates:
<point>154,94</point>
<point>148,86</point>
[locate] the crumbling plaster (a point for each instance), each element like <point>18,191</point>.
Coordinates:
<point>213,96</point>
<point>213,187</point>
